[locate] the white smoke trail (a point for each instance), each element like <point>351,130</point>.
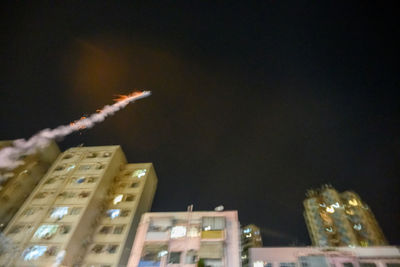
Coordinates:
<point>10,156</point>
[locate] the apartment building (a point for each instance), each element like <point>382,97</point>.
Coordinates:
<point>340,219</point>
<point>186,239</point>
<point>325,257</point>
<point>250,238</point>
<point>84,212</point>
<point>17,184</point>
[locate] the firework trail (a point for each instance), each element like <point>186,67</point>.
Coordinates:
<point>10,156</point>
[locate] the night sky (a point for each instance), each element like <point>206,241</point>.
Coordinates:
<point>252,104</point>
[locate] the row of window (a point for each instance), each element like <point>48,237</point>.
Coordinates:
<point>73,180</point>
<point>104,248</point>
<point>111,229</point>
<point>82,167</point>
<point>90,155</point>
<point>63,195</point>
<point>55,213</point>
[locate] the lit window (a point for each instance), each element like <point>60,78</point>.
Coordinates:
<point>80,180</point>
<point>106,154</point>
<point>247,230</point>
<point>139,173</point>
<point>353,202</point>
<point>178,231</point>
<point>213,223</point>
<point>59,212</point>
<point>118,199</point>
<point>33,252</point>
<point>330,209</point>
<point>46,231</point>
<point>70,167</point>
<point>357,226</point>
<point>113,213</point>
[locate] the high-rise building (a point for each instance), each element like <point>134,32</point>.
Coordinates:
<point>250,238</point>
<point>340,219</point>
<point>325,257</point>
<point>187,239</point>
<point>84,212</point>
<point>17,184</point>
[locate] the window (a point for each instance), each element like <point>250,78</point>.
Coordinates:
<point>178,231</point>
<point>75,211</point>
<point>51,251</point>
<point>46,231</point>
<point>191,257</point>
<point>28,212</point>
<point>67,194</point>
<point>113,213</point>
<point>84,194</point>
<point>139,173</point>
<point>174,257</point>
<point>16,229</point>
<point>367,264</point>
<point>41,195</point>
<point>99,166</point>
<point>91,155</point>
<point>135,184</point>
<point>118,199</point>
<point>91,179</point>
<point>213,223</point>
<point>106,154</point>
<point>33,252</point>
<point>118,229</point>
<point>64,229</point>
<point>287,264</point>
<point>79,180</point>
<point>393,264</point>
<point>50,180</point>
<point>97,249</point>
<point>129,198</point>
<point>68,156</point>
<point>59,168</point>
<point>347,264</point>
<point>124,213</point>
<point>112,249</point>
<point>84,167</point>
<point>105,230</point>
<point>59,212</point>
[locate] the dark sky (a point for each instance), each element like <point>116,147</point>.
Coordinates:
<point>252,104</point>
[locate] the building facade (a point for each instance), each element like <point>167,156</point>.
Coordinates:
<point>325,257</point>
<point>186,238</point>
<point>18,184</point>
<point>340,219</point>
<point>84,212</point>
<point>250,238</point>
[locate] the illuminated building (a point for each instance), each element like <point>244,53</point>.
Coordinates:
<point>185,238</point>
<point>250,238</point>
<point>83,213</point>
<point>324,257</point>
<point>335,219</point>
<point>21,181</point>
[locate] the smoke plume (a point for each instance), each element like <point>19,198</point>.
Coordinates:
<point>10,156</point>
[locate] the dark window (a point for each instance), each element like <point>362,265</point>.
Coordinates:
<point>174,257</point>
<point>347,264</point>
<point>97,248</point>
<point>112,249</point>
